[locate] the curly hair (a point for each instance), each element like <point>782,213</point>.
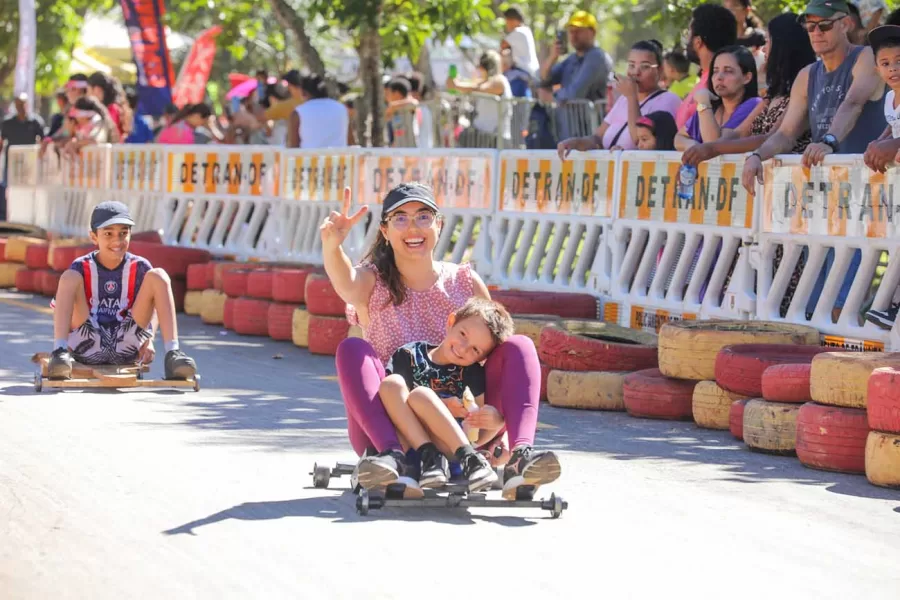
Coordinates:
<point>714,25</point>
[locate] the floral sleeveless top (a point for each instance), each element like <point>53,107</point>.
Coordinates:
<point>423,315</point>
<point>765,121</point>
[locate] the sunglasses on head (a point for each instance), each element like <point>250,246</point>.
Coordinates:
<point>823,26</point>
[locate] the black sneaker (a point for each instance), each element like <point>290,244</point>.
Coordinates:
<point>529,467</point>
<point>179,365</point>
<point>478,471</point>
<point>382,469</point>
<point>883,319</point>
<point>60,364</point>
<point>435,469</point>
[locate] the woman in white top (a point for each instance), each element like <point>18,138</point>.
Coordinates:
<point>492,116</point>
<point>320,121</point>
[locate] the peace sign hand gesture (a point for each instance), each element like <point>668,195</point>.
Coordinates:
<point>337,225</point>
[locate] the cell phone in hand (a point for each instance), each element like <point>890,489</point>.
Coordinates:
<point>562,38</point>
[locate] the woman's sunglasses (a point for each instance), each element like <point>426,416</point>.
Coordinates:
<point>401,221</point>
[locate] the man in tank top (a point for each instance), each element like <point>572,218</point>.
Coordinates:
<point>838,98</point>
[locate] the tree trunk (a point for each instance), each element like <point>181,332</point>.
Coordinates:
<point>290,19</point>
<point>423,65</point>
<point>370,77</point>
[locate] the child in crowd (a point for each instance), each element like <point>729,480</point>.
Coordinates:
<point>655,131</point>
<point>885,42</point>
<point>109,301</point>
<point>423,392</point>
<point>677,68</point>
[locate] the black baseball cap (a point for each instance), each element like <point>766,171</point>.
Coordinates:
<point>881,35</point>
<point>406,193</point>
<point>110,213</point>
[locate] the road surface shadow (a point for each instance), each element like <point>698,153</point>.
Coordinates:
<point>341,509</point>
<point>622,437</point>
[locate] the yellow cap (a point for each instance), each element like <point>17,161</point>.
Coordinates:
<point>582,18</point>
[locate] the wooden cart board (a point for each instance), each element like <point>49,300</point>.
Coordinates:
<point>105,376</point>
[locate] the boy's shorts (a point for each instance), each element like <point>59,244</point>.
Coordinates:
<point>116,345</point>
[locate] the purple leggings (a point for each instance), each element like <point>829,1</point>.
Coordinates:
<point>513,376</point>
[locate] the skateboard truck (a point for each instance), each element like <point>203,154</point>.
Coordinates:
<point>453,495</point>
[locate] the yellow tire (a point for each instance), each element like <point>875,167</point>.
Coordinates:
<point>8,274</point>
<point>593,390</point>
<point>193,303</point>
<point>355,331</point>
<point>842,378</point>
<point>17,245</point>
<point>212,307</point>
<point>711,405</point>
<point>300,328</point>
<point>532,325</point>
<point>771,426</point>
<point>883,459</point>
<point>688,349</point>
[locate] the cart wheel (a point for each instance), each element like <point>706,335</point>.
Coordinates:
<point>362,503</point>
<point>321,476</point>
<point>557,507</point>
<point>38,382</point>
<point>196,383</point>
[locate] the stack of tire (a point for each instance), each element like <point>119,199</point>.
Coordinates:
<point>836,425</point>
<point>14,270</point>
<point>324,320</point>
<point>200,278</point>
<point>532,311</point>
<point>685,385</point>
<point>882,462</point>
<point>765,377</point>
<point>174,260</point>
<point>588,361</point>
<point>289,297</point>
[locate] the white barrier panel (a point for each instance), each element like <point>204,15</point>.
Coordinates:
<point>464,183</point>
<point>220,199</point>
<point>826,234</point>
<point>675,258</point>
<point>312,185</point>
<point>85,183</point>
<point>137,181</point>
<point>21,184</point>
<point>552,223</point>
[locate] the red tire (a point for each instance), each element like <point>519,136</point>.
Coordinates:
<point>736,418</point>
<point>37,256</point>
<point>196,277</point>
<point>150,237</point>
<point>234,282</point>
<point>739,368</point>
<point>565,351</point>
<point>281,318</point>
<point>28,280</point>
<point>570,306</point>
<point>545,375</point>
<point>2,250</point>
<point>250,316</point>
<point>289,285</point>
<point>179,290</point>
<point>49,282</point>
<point>174,260</point>
<point>62,257</point>
<point>325,333</point>
<point>228,314</point>
<point>883,402</point>
<point>321,299</point>
<point>832,438</point>
<point>209,276</point>
<point>259,284</point>
<point>787,383</point>
<point>650,394</point>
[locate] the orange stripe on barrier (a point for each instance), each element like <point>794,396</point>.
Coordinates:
<point>209,181</point>
<point>256,182</point>
<point>623,191</point>
<point>170,171</point>
<point>672,203</point>
<point>648,170</point>
<point>132,167</point>
<point>880,207</point>
<point>724,217</point>
<point>565,201</point>
<point>234,179</point>
<point>329,182</point>
<point>189,163</point>
<point>522,170</point>
<point>544,199</point>
<point>610,187</point>
<point>276,175</point>
<point>313,177</point>
<point>505,185</point>
<point>837,223</point>
<point>799,177</point>
<point>488,187</point>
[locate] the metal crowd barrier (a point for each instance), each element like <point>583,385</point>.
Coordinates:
<point>812,246</point>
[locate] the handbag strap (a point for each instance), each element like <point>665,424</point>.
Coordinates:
<point>625,126</point>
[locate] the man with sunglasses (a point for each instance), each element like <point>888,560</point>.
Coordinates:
<point>838,98</point>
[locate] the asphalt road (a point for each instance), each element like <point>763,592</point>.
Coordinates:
<point>166,494</point>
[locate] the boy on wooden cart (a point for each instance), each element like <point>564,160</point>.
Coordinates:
<point>109,303</point>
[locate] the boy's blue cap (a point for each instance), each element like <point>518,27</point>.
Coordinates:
<point>110,213</point>
<point>880,35</point>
